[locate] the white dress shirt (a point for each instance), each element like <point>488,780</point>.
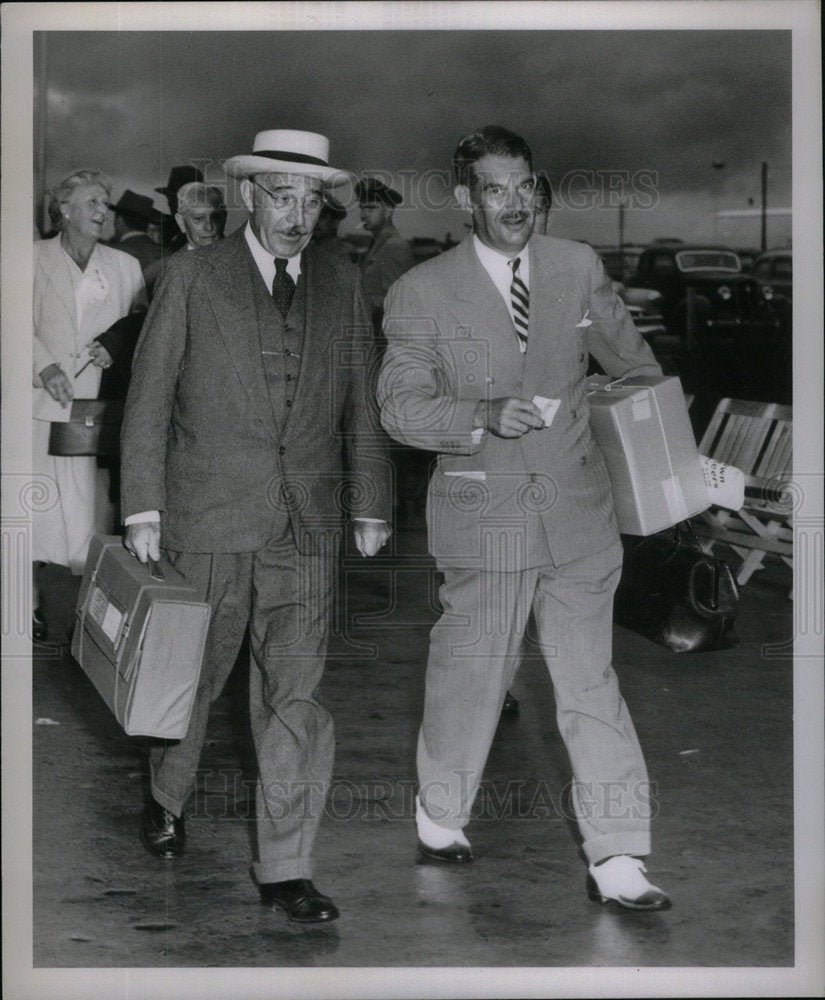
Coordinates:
<point>501,273</point>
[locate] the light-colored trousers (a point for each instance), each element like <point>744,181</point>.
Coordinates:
<point>474,652</point>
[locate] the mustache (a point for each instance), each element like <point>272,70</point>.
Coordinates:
<point>515,216</point>
<point>296,230</point>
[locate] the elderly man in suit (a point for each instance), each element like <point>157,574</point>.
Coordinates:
<point>487,355</point>
<point>250,386</point>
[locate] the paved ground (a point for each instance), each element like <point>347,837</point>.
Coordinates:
<point>716,728</point>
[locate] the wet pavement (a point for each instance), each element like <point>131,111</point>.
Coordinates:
<point>716,729</point>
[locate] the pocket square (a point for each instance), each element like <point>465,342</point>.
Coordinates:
<point>584,320</point>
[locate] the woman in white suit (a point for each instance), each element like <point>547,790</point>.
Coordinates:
<point>80,289</point>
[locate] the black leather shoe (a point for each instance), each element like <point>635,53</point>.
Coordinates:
<point>40,631</point>
<point>162,833</point>
<point>299,900</point>
<point>510,706</point>
<point>455,852</point>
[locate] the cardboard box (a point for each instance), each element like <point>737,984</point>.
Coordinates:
<point>642,428</point>
<point>139,639</point>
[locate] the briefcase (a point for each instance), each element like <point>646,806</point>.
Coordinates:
<point>139,637</point>
<point>93,428</point>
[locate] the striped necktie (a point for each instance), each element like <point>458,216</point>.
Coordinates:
<point>520,301</point>
<point>282,287</point>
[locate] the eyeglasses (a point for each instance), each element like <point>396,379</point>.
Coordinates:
<point>284,200</point>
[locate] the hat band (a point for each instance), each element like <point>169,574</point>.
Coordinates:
<point>279,154</point>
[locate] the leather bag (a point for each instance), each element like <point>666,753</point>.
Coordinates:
<point>93,428</point>
<point>675,594</point>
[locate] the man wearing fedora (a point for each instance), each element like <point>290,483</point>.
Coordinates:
<point>133,213</point>
<point>250,432</point>
<point>389,255</point>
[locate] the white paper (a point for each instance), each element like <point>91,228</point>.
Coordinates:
<point>725,483</point>
<point>467,475</point>
<point>548,408</point>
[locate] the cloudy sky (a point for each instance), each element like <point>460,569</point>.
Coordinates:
<point>637,114</point>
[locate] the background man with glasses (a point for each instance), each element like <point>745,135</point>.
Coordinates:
<point>487,352</point>
<point>250,389</point>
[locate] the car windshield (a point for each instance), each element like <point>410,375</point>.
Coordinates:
<point>707,260</point>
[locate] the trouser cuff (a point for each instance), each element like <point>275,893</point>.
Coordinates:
<point>283,871</point>
<point>636,844</point>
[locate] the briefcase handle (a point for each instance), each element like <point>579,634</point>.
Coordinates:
<point>155,571</point>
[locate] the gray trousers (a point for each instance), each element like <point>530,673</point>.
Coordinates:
<point>286,598</point>
<point>474,652</point>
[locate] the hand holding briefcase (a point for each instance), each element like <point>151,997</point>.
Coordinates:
<point>139,638</point>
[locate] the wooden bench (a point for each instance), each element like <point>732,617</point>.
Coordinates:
<point>756,438</point>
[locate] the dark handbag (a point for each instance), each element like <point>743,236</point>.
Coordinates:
<point>93,428</point>
<point>675,594</point>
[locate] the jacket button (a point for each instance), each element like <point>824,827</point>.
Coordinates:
<point>581,359</point>
<point>289,378</point>
<point>282,450</point>
<point>289,402</point>
<point>583,460</point>
<point>574,414</point>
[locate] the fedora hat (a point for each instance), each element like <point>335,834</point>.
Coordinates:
<point>288,151</point>
<point>134,205</point>
<point>178,176</point>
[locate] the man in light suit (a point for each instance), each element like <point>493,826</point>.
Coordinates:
<point>486,361</point>
<point>250,386</point>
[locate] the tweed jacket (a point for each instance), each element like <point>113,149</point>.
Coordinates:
<point>202,441</point>
<point>499,503</point>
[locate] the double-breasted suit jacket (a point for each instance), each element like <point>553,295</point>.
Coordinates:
<point>451,342</point>
<point>212,445</point>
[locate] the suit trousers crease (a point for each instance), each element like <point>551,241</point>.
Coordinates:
<point>474,653</point>
<point>285,598</point>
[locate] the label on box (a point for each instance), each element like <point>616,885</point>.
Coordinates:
<point>107,616</point>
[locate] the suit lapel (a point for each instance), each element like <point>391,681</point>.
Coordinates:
<point>55,269</point>
<point>485,314</point>
<point>547,307</point>
<point>232,296</point>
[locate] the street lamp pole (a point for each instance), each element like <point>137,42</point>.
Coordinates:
<point>764,225</point>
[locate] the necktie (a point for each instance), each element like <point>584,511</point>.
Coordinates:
<point>520,301</point>
<point>283,287</point>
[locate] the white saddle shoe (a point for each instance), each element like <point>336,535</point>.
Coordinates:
<point>621,879</point>
<point>439,842</point>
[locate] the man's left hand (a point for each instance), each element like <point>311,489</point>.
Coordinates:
<point>370,536</point>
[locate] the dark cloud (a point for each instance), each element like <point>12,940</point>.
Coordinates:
<point>671,102</point>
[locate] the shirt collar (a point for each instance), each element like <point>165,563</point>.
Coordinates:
<point>266,262</point>
<point>495,263</point>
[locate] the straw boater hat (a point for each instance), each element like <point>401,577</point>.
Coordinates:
<point>288,151</point>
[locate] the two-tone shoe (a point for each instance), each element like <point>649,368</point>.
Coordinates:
<point>621,879</point>
<point>438,842</point>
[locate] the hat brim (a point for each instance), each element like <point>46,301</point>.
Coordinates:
<point>243,166</point>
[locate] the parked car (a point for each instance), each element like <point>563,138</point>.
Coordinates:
<point>774,272</point>
<point>747,256</point>
<point>620,263</point>
<point>707,299</point>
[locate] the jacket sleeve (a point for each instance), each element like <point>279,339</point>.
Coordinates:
<point>612,337</point>
<point>368,464</point>
<point>415,387</point>
<point>157,363</point>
